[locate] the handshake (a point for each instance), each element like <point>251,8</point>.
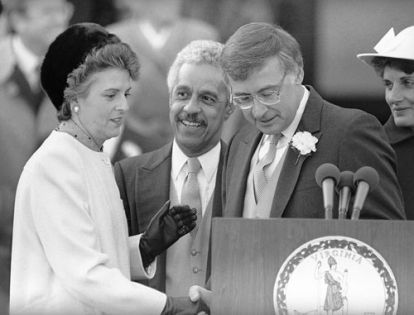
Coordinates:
<point>198,302</point>
<point>164,229</point>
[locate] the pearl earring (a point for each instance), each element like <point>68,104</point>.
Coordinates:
<point>76,108</point>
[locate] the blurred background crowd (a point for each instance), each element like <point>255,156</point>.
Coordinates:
<point>331,33</point>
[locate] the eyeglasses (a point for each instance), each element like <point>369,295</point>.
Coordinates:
<point>269,97</point>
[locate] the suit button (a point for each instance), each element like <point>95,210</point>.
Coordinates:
<point>193,252</point>
<point>195,270</point>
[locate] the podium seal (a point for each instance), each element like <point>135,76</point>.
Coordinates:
<point>335,275</point>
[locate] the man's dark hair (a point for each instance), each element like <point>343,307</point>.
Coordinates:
<point>252,44</point>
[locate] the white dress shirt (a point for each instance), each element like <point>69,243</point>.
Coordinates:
<point>157,38</point>
<point>27,62</point>
<point>206,177</point>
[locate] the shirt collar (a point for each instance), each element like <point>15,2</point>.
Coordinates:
<point>26,60</point>
<point>209,161</point>
<point>156,38</point>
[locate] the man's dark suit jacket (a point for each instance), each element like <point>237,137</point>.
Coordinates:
<point>144,184</point>
<point>348,138</point>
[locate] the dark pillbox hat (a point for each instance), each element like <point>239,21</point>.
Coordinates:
<point>67,52</point>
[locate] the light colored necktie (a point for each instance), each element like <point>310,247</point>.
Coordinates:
<point>190,194</point>
<point>259,177</point>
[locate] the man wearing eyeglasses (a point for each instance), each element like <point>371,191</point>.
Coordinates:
<point>269,175</point>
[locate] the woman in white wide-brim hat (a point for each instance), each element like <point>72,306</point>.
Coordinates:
<point>393,61</point>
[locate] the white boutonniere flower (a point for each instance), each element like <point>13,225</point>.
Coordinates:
<point>304,143</point>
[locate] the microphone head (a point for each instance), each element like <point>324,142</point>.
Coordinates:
<point>326,170</point>
<point>346,179</point>
<point>368,175</point>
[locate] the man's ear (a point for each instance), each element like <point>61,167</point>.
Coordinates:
<point>299,76</point>
<point>229,109</point>
<point>169,99</point>
<point>73,102</point>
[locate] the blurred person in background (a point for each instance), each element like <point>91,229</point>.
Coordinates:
<point>5,225</point>
<point>71,252</point>
<point>27,116</point>
<point>156,31</point>
<point>199,105</point>
<point>393,61</point>
<point>4,230</point>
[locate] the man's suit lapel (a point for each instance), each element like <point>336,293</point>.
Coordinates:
<point>156,176</point>
<point>217,202</point>
<point>311,121</point>
<point>153,184</point>
<point>240,173</point>
<point>216,210</point>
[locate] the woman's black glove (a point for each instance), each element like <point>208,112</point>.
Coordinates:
<point>184,306</point>
<point>165,227</point>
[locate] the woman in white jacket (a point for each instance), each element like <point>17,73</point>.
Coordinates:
<point>71,252</point>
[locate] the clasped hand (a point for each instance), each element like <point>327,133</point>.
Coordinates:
<point>197,303</point>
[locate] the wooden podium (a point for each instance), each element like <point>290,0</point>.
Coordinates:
<point>247,255</point>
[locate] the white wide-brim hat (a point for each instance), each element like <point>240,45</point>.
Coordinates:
<point>392,46</point>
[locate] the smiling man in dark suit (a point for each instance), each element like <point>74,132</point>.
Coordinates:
<point>199,104</point>
<point>270,168</point>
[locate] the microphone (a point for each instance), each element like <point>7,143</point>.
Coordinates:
<point>366,179</point>
<point>326,176</point>
<point>345,188</point>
